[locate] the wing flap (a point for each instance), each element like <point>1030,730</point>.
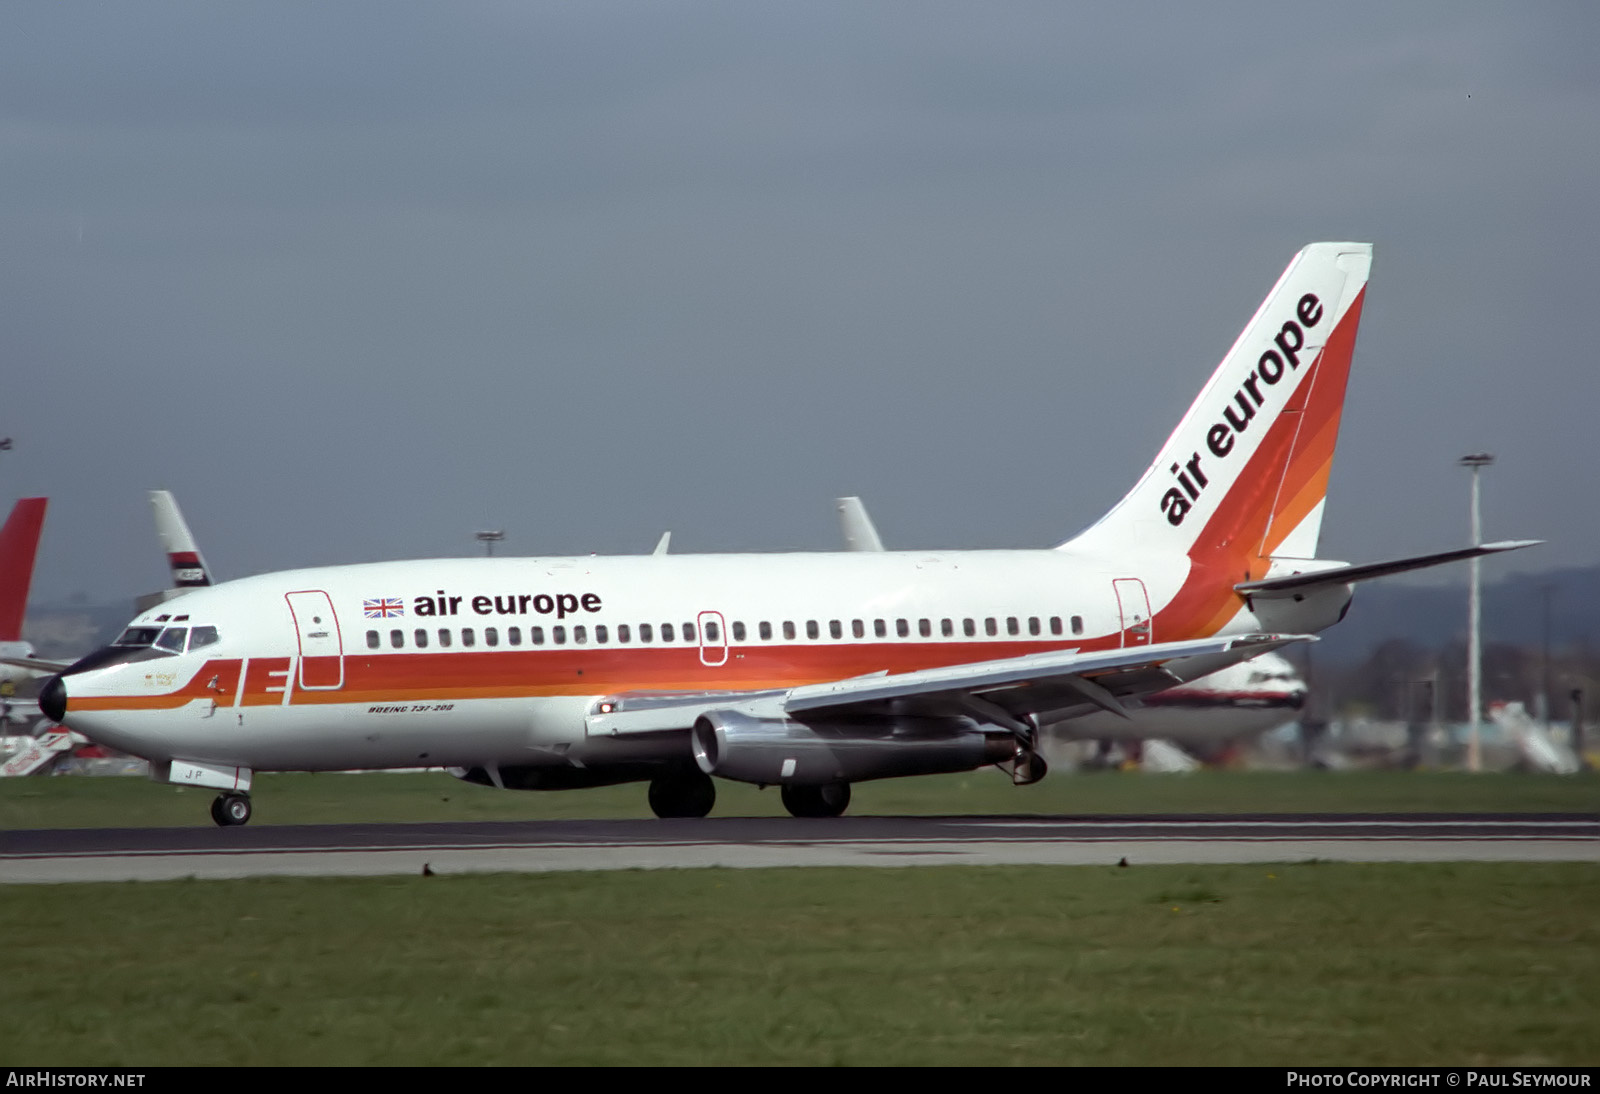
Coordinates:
<point>1049,672</point>
<point>1053,682</point>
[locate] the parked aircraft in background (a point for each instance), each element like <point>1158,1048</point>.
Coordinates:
<point>19,547</point>
<point>809,671</point>
<point>189,570</point>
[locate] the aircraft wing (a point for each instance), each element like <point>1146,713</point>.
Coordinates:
<point>1004,691</point>
<point>1345,574</point>
<point>35,664</point>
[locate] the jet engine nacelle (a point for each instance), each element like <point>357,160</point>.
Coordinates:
<point>767,751</point>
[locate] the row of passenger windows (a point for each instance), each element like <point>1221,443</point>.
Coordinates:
<point>579,634</point>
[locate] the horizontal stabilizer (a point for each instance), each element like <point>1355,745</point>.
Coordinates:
<point>1346,575</point>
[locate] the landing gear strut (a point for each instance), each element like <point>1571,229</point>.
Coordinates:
<point>230,809</point>
<point>682,794</point>
<point>816,801</point>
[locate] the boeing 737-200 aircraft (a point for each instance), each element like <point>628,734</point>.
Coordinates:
<point>808,671</point>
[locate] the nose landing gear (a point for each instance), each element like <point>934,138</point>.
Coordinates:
<point>231,809</point>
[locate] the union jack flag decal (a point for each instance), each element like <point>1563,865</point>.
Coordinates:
<point>384,608</point>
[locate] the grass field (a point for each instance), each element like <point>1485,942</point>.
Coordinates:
<point>332,798</point>
<point>1304,964</point>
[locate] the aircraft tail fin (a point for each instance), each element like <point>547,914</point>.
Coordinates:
<point>19,545</point>
<point>1242,478</point>
<point>189,569</point>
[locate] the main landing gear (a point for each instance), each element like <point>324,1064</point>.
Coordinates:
<point>682,794</point>
<point>231,809</point>
<point>816,801</point>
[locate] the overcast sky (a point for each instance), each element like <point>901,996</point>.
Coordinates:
<point>355,280</point>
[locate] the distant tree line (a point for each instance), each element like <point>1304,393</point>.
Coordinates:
<point>1400,680</point>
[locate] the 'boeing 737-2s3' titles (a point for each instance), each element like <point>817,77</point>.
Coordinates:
<point>805,671</point>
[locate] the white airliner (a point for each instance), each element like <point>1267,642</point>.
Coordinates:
<point>809,671</point>
<point>1209,716</point>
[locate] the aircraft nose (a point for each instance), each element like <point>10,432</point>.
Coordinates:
<point>53,699</point>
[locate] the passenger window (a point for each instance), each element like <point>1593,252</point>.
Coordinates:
<point>834,629</point>
<point>880,628</point>
<point>765,630</point>
<point>373,641</point>
<point>1011,625</point>
<point>666,632</point>
<point>444,638</point>
<point>811,629</point>
<point>738,631</point>
<point>1055,624</point>
<point>969,627</point>
<point>712,630</point>
<point>491,636</point>
<point>947,628</point>
<point>580,635</point>
<point>468,638</point>
<point>624,633</point>
<point>173,639</point>
<point>990,627</point>
<point>858,628</point>
<point>925,628</point>
<point>788,629</point>
<point>688,632</point>
<point>600,633</point>
<point>1033,624</point>
<point>902,627</point>
<point>1077,624</point>
<point>558,635</point>
<point>536,636</point>
<point>514,636</point>
<point>644,633</point>
<point>420,638</point>
<point>397,639</point>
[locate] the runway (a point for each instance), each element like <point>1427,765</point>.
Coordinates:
<point>353,850</point>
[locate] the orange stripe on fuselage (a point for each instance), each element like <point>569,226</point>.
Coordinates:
<point>589,670</point>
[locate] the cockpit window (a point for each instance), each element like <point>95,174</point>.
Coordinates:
<point>203,636</point>
<point>138,636</point>
<point>173,639</point>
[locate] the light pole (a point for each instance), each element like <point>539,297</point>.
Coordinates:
<point>1477,462</point>
<point>489,539</point>
<point>1544,684</point>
